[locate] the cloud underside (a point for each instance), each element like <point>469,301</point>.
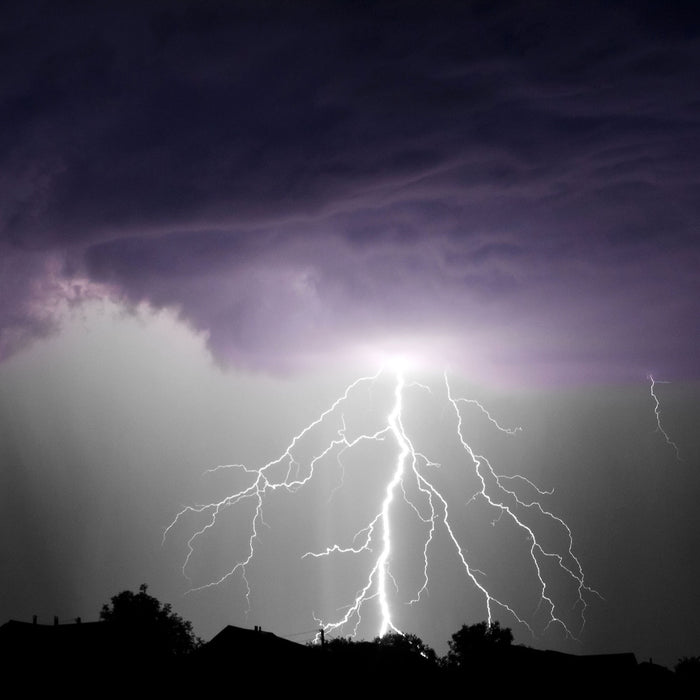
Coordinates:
<point>521,186</point>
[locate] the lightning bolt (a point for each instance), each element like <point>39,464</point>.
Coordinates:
<point>657,413</point>
<point>412,484</point>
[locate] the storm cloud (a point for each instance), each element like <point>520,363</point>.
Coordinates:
<point>516,180</point>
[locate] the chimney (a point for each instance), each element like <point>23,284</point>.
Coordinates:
<point>34,619</point>
<point>77,620</point>
<point>55,620</point>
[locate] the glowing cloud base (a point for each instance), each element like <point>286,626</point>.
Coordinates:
<point>412,474</point>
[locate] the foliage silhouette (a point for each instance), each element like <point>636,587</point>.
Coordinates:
<point>474,642</point>
<point>407,643</point>
<point>152,626</point>
<point>336,642</point>
<point>688,669</point>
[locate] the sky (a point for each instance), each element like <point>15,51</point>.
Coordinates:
<point>216,216</point>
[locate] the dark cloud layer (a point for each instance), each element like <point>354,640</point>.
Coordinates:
<point>293,177</point>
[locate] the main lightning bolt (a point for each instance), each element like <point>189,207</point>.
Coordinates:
<point>657,413</point>
<point>412,472</point>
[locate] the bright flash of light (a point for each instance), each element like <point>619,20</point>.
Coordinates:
<point>657,413</point>
<point>412,473</point>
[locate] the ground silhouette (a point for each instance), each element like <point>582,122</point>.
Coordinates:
<point>141,647</point>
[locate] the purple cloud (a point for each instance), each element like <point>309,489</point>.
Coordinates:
<point>520,183</point>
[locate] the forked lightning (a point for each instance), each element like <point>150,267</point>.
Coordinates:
<point>413,472</point>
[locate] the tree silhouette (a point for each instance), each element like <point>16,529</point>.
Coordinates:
<point>408,643</point>
<point>336,643</point>
<point>476,642</point>
<point>153,627</point>
<point>688,670</point>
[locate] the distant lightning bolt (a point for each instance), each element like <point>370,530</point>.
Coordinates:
<point>411,473</point>
<point>657,412</point>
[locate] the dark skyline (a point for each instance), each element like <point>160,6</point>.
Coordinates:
<point>213,216</point>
